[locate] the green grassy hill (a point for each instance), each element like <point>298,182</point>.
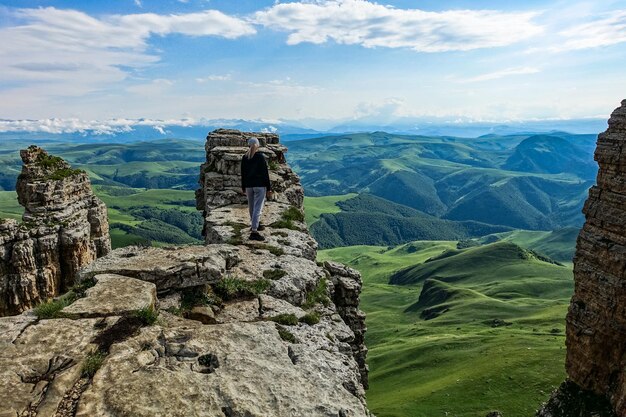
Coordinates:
<point>147,186</point>
<point>9,207</point>
<point>495,273</point>
<point>558,244</point>
<point>140,216</point>
<point>495,342</point>
<point>316,206</point>
<point>550,154</point>
<point>501,180</point>
<point>370,220</point>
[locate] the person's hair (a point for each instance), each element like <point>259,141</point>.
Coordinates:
<point>253,146</point>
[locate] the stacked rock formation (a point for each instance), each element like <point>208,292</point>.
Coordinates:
<point>596,321</point>
<point>232,328</point>
<point>220,179</point>
<point>64,228</point>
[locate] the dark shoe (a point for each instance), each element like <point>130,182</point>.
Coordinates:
<point>256,236</point>
<point>260,228</point>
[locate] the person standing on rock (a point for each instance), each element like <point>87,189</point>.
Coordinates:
<point>255,184</point>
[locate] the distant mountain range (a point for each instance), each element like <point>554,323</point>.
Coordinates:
<point>126,130</point>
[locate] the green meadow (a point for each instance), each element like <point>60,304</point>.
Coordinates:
<point>316,206</point>
<point>498,345</point>
<point>9,207</point>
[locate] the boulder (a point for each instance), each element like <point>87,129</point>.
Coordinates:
<point>113,295</point>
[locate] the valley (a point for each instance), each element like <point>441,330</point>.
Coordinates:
<point>499,345</point>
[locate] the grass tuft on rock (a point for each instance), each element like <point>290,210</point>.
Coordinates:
<point>194,297</point>
<point>92,363</point>
<point>292,214</point>
<point>284,224</point>
<point>51,309</point>
<point>232,288</point>
<point>286,335</point>
<point>310,318</point>
<point>63,173</point>
<point>238,228</point>
<point>147,315</point>
<point>79,289</point>
<point>285,319</point>
<point>318,295</point>
<point>49,161</point>
<point>274,274</point>
<point>272,249</point>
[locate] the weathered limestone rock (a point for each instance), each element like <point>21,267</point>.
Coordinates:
<point>241,311</point>
<point>113,295</point>
<point>596,321</point>
<point>203,314</point>
<point>347,286</point>
<point>569,400</point>
<point>41,364</point>
<point>64,228</point>
<point>271,307</point>
<point>236,369</point>
<point>167,268</point>
<point>230,224</point>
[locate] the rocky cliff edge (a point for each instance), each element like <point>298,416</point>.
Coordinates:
<point>232,328</point>
<point>596,320</point>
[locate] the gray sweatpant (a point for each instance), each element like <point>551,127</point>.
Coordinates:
<point>256,199</point>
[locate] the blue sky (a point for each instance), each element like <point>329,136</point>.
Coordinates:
<point>311,60</point>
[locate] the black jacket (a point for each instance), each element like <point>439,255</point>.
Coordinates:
<point>254,172</point>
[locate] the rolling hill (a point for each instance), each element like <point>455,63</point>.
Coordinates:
<point>550,155</point>
<point>557,244</point>
<point>369,220</point>
<point>468,332</point>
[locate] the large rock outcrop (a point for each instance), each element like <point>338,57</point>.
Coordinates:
<point>64,228</point>
<point>596,321</point>
<point>243,329</point>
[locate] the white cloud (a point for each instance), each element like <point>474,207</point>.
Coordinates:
<point>502,73</point>
<point>138,3</point>
<point>387,109</point>
<point>205,23</point>
<point>154,87</point>
<point>74,53</point>
<point>213,77</point>
<point>610,29</point>
<point>361,22</point>
<point>97,127</point>
<point>279,87</point>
